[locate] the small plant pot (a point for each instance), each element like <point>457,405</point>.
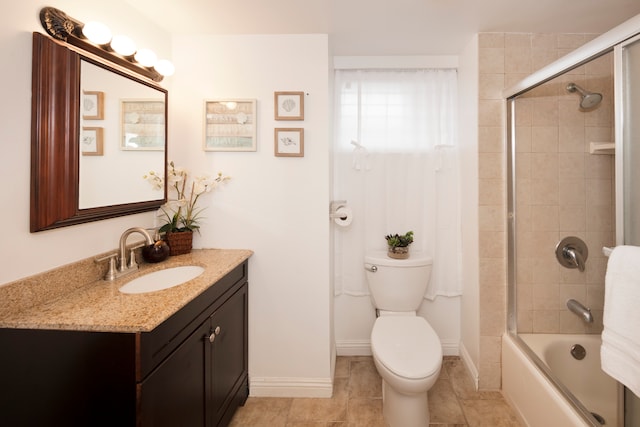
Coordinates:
<point>180,242</point>
<point>398,252</point>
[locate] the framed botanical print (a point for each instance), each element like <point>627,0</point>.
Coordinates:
<point>91,141</point>
<point>92,105</point>
<point>289,105</point>
<point>289,142</point>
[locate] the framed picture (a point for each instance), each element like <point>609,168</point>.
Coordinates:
<point>142,124</point>
<point>230,125</point>
<point>91,141</point>
<point>289,142</point>
<point>289,105</point>
<point>92,105</point>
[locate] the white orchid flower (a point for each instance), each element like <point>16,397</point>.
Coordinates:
<point>180,212</point>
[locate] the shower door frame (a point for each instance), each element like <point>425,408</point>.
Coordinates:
<point>611,41</point>
<point>631,402</point>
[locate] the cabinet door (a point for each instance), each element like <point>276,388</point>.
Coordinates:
<point>174,394</point>
<point>228,365</point>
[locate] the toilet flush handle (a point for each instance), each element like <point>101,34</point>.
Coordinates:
<point>371,268</point>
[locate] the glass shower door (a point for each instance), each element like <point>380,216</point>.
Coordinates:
<point>630,159</point>
<point>628,167</point>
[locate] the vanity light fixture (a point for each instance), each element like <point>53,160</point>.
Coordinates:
<point>146,57</point>
<point>123,45</point>
<point>96,38</point>
<point>97,32</point>
<point>165,67</point>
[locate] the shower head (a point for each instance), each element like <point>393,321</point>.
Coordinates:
<point>589,99</point>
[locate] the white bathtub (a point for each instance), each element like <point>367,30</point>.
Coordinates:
<point>542,404</point>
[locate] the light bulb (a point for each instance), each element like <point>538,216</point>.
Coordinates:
<point>146,57</point>
<point>97,32</point>
<point>165,67</point>
<point>123,45</point>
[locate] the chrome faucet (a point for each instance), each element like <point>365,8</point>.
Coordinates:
<point>580,310</point>
<point>120,257</point>
<point>131,265</point>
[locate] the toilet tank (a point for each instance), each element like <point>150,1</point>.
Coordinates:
<point>397,284</point>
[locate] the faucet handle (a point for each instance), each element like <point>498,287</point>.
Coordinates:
<point>132,256</point>
<point>111,273</point>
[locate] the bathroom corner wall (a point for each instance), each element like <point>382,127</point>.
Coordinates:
<point>504,59</point>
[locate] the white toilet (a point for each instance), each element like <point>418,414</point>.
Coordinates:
<point>406,350</point>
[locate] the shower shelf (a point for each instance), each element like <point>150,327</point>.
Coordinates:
<point>602,148</point>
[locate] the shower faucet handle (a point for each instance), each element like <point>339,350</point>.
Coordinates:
<point>575,257</point>
<point>572,252</point>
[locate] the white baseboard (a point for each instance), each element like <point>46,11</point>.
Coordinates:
<point>471,368</point>
<point>450,348</point>
<point>363,348</point>
<point>353,348</point>
<point>290,387</point>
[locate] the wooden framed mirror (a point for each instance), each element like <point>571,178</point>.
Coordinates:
<point>66,107</point>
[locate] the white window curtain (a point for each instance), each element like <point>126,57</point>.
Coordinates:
<point>396,165</point>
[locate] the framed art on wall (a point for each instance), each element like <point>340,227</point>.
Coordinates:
<point>143,126</point>
<point>91,142</point>
<point>289,142</point>
<point>230,125</point>
<point>92,105</point>
<point>289,105</point>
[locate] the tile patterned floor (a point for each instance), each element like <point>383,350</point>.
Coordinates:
<point>357,402</point>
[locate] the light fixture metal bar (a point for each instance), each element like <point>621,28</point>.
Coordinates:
<point>62,27</point>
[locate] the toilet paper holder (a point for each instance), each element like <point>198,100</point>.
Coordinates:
<point>334,206</point>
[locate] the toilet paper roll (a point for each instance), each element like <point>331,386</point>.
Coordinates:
<point>343,216</point>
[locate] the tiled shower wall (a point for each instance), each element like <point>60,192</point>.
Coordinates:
<point>563,190</point>
<point>504,59</point>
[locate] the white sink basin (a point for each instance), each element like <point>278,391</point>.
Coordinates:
<point>161,279</point>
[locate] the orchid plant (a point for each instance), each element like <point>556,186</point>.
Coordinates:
<point>181,213</point>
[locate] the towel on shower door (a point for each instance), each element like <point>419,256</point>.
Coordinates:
<point>620,351</point>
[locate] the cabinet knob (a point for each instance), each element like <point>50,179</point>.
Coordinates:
<point>213,334</point>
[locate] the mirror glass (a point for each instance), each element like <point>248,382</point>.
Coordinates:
<point>122,138</point>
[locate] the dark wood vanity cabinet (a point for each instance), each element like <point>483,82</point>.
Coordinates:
<point>189,371</point>
<point>204,380</point>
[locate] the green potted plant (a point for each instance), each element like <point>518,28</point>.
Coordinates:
<point>181,214</point>
<point>398,245</point>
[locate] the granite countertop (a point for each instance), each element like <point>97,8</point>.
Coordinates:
<point>99,306</point>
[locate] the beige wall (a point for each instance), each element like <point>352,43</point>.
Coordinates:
<point>504,59</point>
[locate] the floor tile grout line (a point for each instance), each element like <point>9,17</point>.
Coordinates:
<point>455,393</point>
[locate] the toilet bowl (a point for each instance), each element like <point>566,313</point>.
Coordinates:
<point>408,356</point>
<point>406,350</point>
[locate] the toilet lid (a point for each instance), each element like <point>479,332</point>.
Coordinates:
<point>407,346</point>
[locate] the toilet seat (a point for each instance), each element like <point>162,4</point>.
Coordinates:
<point>407,346</point>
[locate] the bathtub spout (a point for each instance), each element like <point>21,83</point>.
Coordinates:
<point>580,310</point>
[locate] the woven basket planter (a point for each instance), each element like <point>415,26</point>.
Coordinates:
<point>180,242</point>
